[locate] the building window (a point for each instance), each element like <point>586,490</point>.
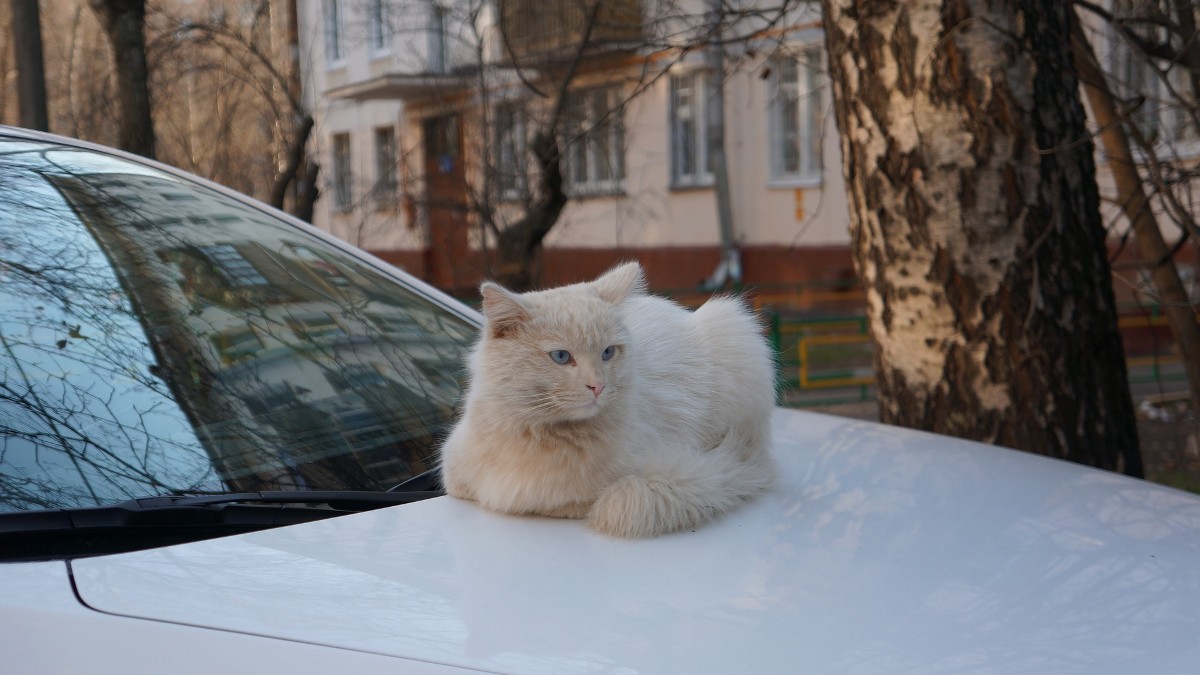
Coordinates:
<point>595,142</point>
<point>378,30</point>
<point>511,149</point>
<point>691,160</point>
<point>343,195</point>
<point>1135,77</point>
<point>234,268</point>
<point>1182,113</point>
<point>797,116</point>
<point>1164,101</point>
<point>437,38</point>
<point>386,184</point>
<point>332,11</point>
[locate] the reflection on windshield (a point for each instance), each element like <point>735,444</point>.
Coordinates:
<point>157,337</point>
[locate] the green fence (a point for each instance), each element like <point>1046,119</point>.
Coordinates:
<point>823,360</point>
<point>826,356</point>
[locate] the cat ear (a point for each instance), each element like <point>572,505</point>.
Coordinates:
<point>620,282</point>
<point>502,310</point>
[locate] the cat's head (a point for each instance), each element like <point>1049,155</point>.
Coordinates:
<point>561,354</point>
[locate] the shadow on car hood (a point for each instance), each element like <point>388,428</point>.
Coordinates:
<point>881,550</point>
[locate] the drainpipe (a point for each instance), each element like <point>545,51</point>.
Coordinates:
<point>729,269</point>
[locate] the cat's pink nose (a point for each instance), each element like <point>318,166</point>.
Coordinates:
<point>596,388</point>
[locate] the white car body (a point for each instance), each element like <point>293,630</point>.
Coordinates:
<point>881,551</point>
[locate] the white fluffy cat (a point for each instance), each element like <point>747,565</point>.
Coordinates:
<point>598,401</point>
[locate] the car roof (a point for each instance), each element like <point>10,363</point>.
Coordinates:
<point>881,550</point>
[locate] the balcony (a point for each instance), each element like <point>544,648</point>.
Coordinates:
<point>403,87</point>
<point>545,32</point>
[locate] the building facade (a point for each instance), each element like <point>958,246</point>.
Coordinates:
<point>427,112</point>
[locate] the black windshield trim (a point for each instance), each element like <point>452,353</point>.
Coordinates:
<point>241,508</point>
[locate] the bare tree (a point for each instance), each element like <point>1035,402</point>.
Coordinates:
<point>245,58</point>
<point>558,56</point>
<point>225,80</point>
<point>976,226</point>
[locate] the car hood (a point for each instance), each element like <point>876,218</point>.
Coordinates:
<point>881,550</point>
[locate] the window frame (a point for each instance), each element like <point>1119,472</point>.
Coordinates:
<point>379,35</point>
<point>510,144</point>
<point>435,35</point>
<point>810,88</point>
<point>700,82</point>
<point>343,174</point>
<point>385,193</point>
<point>589,124</point>
<point>1160,117</point>
<point>331,27</point>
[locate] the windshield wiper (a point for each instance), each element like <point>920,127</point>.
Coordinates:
<point>208,509</point>
<point>170,519</point>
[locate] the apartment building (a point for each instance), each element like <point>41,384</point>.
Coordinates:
<point>427,111</point>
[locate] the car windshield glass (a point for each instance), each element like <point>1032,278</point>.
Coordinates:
<point>160,337</point>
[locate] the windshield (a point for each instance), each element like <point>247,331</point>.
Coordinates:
<point>158,337</point>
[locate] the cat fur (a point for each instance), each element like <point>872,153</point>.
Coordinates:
<point>668,433</point>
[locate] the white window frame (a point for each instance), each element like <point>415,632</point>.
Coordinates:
<point>593,127</point>
<point>697,110</point>
<point>386,191</point>
<point>379,32</point>
<point>341,152</point>
<point>805,97</point>
<point>511,150</point>
<point>436,38</point>
<point>331,23</point>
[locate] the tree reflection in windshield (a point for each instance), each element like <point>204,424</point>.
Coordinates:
<point>158,337</point>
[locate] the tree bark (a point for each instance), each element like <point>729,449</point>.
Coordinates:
<point>123,22</point>
<point>307,192</point>
<point>297,155</point>
<point>31,70</point>
<point>976,227</point>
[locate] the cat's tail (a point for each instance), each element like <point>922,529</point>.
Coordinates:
<point>680,489</point>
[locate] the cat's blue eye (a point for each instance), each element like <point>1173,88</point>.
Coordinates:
<point>561,356</point>
<point>608,353</point>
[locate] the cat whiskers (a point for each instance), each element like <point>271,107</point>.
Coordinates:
<point>549,407</point>
<point>544,403</point>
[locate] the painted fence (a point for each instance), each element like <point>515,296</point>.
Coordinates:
<point>819,331</point>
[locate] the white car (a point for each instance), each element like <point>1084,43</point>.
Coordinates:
<point>184,371</point>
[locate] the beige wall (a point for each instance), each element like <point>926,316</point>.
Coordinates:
<point>654,214</point>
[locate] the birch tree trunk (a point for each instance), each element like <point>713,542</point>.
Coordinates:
<point>976,226</point>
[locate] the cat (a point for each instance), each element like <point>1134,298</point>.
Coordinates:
<point>597,400</point>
